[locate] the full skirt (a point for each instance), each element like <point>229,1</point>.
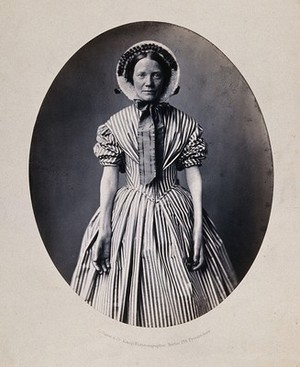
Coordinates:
<point>149,283</point>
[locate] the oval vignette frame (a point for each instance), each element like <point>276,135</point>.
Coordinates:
<point>64,174</point>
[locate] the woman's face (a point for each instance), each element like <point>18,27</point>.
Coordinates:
<point>148,80</point>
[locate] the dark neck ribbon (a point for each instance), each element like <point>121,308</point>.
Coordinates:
<point>150,137</point>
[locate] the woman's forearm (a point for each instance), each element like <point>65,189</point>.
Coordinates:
<point>101,248</point>
<point>108,188</point>
<point>194,181</point>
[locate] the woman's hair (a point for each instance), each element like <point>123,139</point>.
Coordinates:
<point>166,69</point>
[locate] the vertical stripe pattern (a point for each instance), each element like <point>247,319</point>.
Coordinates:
<point>149,283</point>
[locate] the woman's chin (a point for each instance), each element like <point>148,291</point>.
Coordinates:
<point>149,97</point>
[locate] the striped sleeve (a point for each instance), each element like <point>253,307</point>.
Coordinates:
<point>107,149</point>
<point>194,151</point>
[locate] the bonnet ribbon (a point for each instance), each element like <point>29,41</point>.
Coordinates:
<point>150,136</point>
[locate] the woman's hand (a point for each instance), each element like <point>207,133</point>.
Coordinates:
<point>101,253</point>
<point>198,253</point>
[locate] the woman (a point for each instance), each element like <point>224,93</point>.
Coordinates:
<point>150,257</point>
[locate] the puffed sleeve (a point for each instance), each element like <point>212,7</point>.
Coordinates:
<point>194,151</point>
<point>107,149</point>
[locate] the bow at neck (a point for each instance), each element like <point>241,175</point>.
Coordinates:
<point>150,136</point>
<point>144,105</point>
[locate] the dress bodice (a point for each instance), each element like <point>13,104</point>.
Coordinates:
<point>158,187</point>
<point>183,146</point>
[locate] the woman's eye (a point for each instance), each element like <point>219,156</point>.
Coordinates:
<point>157,76</point>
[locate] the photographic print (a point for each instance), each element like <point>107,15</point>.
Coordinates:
<point>226,74</point>
<point>167,240</point>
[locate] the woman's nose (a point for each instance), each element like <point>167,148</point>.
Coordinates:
<point>149,80</point>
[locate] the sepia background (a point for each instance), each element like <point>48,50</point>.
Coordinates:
<point>43,322</point>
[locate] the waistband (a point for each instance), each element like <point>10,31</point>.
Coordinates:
<point>153,193</point>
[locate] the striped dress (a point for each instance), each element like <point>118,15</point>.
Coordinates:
<point>149,283</point>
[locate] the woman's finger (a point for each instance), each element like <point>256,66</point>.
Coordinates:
<point>196,266</point>
<point>103,266</point>
<point>96,266</point>
<point>107,263</point>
